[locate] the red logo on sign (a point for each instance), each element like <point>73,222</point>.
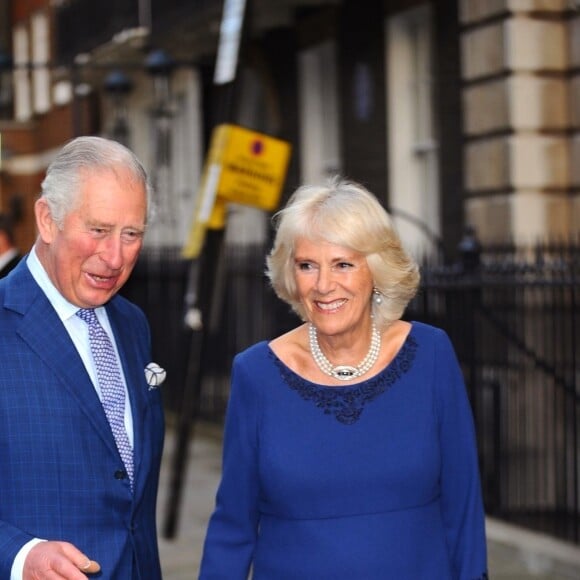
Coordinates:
<point>257,147</point>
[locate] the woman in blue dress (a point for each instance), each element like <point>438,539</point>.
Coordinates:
<point>349,447</point>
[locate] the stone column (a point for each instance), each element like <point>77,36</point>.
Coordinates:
<point>521,118</point>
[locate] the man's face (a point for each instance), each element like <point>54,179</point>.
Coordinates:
<point>92,256</point>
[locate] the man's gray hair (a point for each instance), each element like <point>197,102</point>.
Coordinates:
<point>61,186</point>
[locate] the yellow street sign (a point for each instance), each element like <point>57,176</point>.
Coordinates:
<point>253,166</point>
<point>242,166</point>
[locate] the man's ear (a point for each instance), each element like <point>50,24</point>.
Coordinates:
<point>46,226</point>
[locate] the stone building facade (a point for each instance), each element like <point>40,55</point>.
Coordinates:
<point>521,103</point>
<point>454,112</point>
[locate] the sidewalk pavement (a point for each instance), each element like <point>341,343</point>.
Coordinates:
<point>514,553</point>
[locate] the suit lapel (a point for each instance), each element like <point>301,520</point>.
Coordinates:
<point>43,331</point>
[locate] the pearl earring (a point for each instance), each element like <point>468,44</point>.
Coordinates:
<point>377,297</point>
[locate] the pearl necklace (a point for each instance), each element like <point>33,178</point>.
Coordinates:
<point>344,372</point>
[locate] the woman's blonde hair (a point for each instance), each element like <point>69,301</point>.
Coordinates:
<point>346,214</point>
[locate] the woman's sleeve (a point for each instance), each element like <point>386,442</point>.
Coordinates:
<point>232,529</point>
<point>462,504</point>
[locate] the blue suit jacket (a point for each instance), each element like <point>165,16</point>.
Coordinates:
<point>59,466</point>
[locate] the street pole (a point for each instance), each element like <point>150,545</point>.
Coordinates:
<point>206,278</point>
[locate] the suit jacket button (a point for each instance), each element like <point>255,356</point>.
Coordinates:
<point>120,474</point>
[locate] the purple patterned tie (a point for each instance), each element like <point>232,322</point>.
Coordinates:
<point>111,385</point>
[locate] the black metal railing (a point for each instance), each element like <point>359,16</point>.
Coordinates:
<point>514,319</point>
<point>158,285</point>
<point>513,316</point>
<point>250,312</point>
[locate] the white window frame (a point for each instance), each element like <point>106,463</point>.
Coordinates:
<point>186,152</point>
<point>319,112</point>
<point>413,152</point>
<point>22,84</point>
<point>40,33</point>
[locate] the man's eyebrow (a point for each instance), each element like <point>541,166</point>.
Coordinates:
<point>93,222</point>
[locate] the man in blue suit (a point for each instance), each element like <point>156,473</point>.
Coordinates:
<point>71,504</point>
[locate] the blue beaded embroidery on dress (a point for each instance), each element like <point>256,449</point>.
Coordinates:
<point>347,403</point>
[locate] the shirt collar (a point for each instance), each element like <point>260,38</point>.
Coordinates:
<point>63,307</point>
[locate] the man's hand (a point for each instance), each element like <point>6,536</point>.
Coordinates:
<point>57,561</point>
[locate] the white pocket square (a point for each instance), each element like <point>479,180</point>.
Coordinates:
<point>155,375</point>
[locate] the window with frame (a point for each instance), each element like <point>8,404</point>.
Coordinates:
<point>413,155</point>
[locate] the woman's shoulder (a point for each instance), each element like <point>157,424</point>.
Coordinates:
<point>252,354</point>
<point>282,348</point>
<point>289,339</point>
<point>422,330</point>
<point>434,342</point>
<point>291,349</point>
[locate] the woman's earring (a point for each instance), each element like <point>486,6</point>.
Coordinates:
<point>377,297</point>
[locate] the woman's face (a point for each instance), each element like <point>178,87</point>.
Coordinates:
<point>334,285</point>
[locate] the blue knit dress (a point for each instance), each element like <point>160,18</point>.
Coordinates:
<point>376,480</point>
